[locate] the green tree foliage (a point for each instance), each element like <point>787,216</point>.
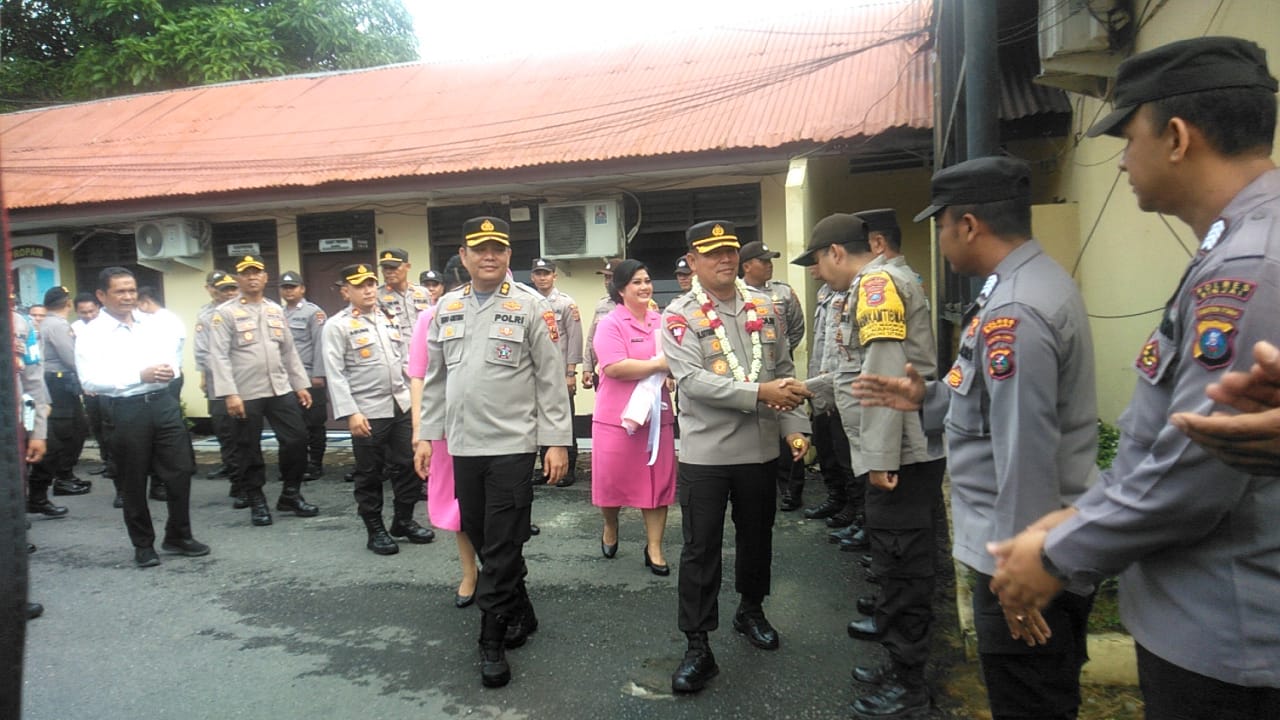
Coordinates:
<point>67,50</point>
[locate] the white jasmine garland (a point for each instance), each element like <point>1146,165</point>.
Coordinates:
<point>754,326</point>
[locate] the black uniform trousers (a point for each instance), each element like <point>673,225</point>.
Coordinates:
<point>386,453</point>
<point>68,428</point>
<point>790,473</point>
<point>704,491</point>
<point>224,429</point>
<point>1171,692</point>
<point>572,473</point>
<point>315,418</point>
<point>285,415</point>
<point>93,410</point>
<point>148,437</point>
<point>900,529</point>
<point>834,458</point>
<point>1032,682</point>
<point>495,497</point>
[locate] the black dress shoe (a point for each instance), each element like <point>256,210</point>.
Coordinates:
<point>534,529</point>
<point>789,503</point>
<point>30,548</point>
<point>607,550</point>
<point>867,605</point>
<point>98,470</point>
<point>68,487</point>
<point>220,471</point>
<point>695,670</point>
<point>823,510</point>
<point>118,502</point>
<point>241,502</point>
<point>43,506</point>
<point>865,629</point>
<point>840,520</point>
<point>34,610</point>
<point>462,601</point>
<point>655,568</point>
<point>259,513</point>
<point>294,502</point>
<point>837,536</point>
<point>858,541</point>
<point>145,557</point>
<point>892,701</point>
<point>185,546</point>
<point>566,481</point>
<point>349,477</point>
<point>73,478</point>
<point>756,627</point>
<point>873,675</point>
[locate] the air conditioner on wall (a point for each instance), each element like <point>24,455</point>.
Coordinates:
<point>1081,43</point>
<point>167,240</point>
<point>585,229</point>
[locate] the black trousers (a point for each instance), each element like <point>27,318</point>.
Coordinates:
<point>834,458</point>
<point>67,429</point>
<point>573,447</point>
<point>704,491</point>
<point>1171,692</point>
<point>285,415</point>
<point>495,497</point>
<point>790,473</point>
<point>386,454</point>
<point>900,529</point>
<point>148,437</point>
<point>224,429</point>
<point>1025,682</point>
<point>93,410</point>
<point>314,418</point>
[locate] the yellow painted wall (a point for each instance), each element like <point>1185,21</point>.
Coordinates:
<point>1131,263</point>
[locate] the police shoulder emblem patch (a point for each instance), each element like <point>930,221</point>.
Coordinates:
<point>1000,364</point>
<point>880,313</point>
<point>677,327</point>
<point>1214,343</point>
<point>549,318</point>
<point>955,377</point>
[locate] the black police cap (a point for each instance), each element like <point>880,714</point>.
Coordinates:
<point>712,235</point>
<point>485,228</point>
<point>837,229</point>
<point>289,278</point>
<point>1182,67</point>
<point>978,181</point>
<point>880,219</point>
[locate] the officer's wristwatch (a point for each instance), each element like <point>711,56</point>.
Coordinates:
<point>1050,568</point>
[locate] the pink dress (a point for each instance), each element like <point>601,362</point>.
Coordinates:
<point>620,475</point>
<point>442,504</point>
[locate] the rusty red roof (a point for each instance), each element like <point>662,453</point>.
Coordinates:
<point>813,79</point>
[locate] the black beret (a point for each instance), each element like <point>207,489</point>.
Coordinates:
<point>978,181</point>
<point>1185,66</point>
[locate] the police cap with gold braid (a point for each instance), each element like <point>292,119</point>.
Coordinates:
<point>358,274</point>
<point>712,235</point>
<point>483,229</point>
<point>395,257</point>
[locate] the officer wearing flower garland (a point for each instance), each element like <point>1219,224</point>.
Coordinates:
<point>734,372</point>
<point>495,362</point>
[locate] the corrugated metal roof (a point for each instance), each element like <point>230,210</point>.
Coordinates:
<point>843,74</point>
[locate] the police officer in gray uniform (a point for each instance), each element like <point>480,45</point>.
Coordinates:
<point>364,354</point>
<point>604,306</point>
<point>497,375</point>
<point>569,323</point>
<point>829,438</point>
<point>1020,424</point>
<point>885,323</point>
<point>738,395</point>
<point>34,398</point>
<point>1196,541</point>
<point>221,288</point>
<point>306,322</point>
<point>257,371</point>
<point>401,299</point>
<point>757,271</point>
<point>68,426</point>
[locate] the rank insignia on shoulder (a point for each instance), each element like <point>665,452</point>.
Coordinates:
<point>549,318</point>
<point>1000,363</point>
<point>512,305</point>
<point>455,305</point>
<point>1214,343</point>
<point>677,327</point>
<point>1148,361</point>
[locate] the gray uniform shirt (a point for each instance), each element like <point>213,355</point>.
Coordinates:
<point>404,307</point>
<point>251,351</point>
<point>365,358</point>
<point>604,306</point>
<point>498,367</point>
<point>1198,542</point>
<point>1022,420</point>
<point>721,420</point>
<point>306,323</point>
<point>569,323</point>
<point>787,306</point>
<point>57,345</point>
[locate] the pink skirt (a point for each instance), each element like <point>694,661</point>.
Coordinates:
<point>442,504</point>
<point>620,476</point>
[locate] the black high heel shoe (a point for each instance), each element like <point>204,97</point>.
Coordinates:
<point>607,550</point>
<point>655,568</point>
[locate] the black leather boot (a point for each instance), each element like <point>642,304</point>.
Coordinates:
<point>259,513</point>
<point>824,510</point>
<point>902,694</point>
<point>494,670</point>
<point>404,526</point>
<point>379,541</point>
<point>751,622</point>
<point>291,499</point>
<point>523,623</point>
<point>867,605</point>
<point>698,666</point>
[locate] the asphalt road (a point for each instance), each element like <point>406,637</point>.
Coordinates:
<point>299,620</point>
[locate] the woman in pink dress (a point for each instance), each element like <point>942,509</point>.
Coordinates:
<point>626,346</point>
<point>442,504</point>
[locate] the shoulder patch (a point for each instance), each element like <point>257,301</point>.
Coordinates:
<point>320,316</point>
<point>1148,361</point>
<point>1215,340</point>
<point>677,326</point>
<point>999,325</point>
<point>1000,364</point>
<point>549,318</point>
<point>880,313</point>
<point>1240,290</point>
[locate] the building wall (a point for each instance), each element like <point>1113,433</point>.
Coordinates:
<point>1132,262</point>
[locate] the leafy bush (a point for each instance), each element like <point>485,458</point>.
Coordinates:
<point>1108,441</point>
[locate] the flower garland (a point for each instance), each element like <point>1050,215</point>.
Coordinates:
<point>754,325</point>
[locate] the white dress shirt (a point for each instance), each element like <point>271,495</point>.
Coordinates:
<point>110,355</point>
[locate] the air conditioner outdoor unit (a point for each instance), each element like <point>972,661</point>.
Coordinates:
<point>1081,43</point>
<point>167,240</point>
<point>586,229</point>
